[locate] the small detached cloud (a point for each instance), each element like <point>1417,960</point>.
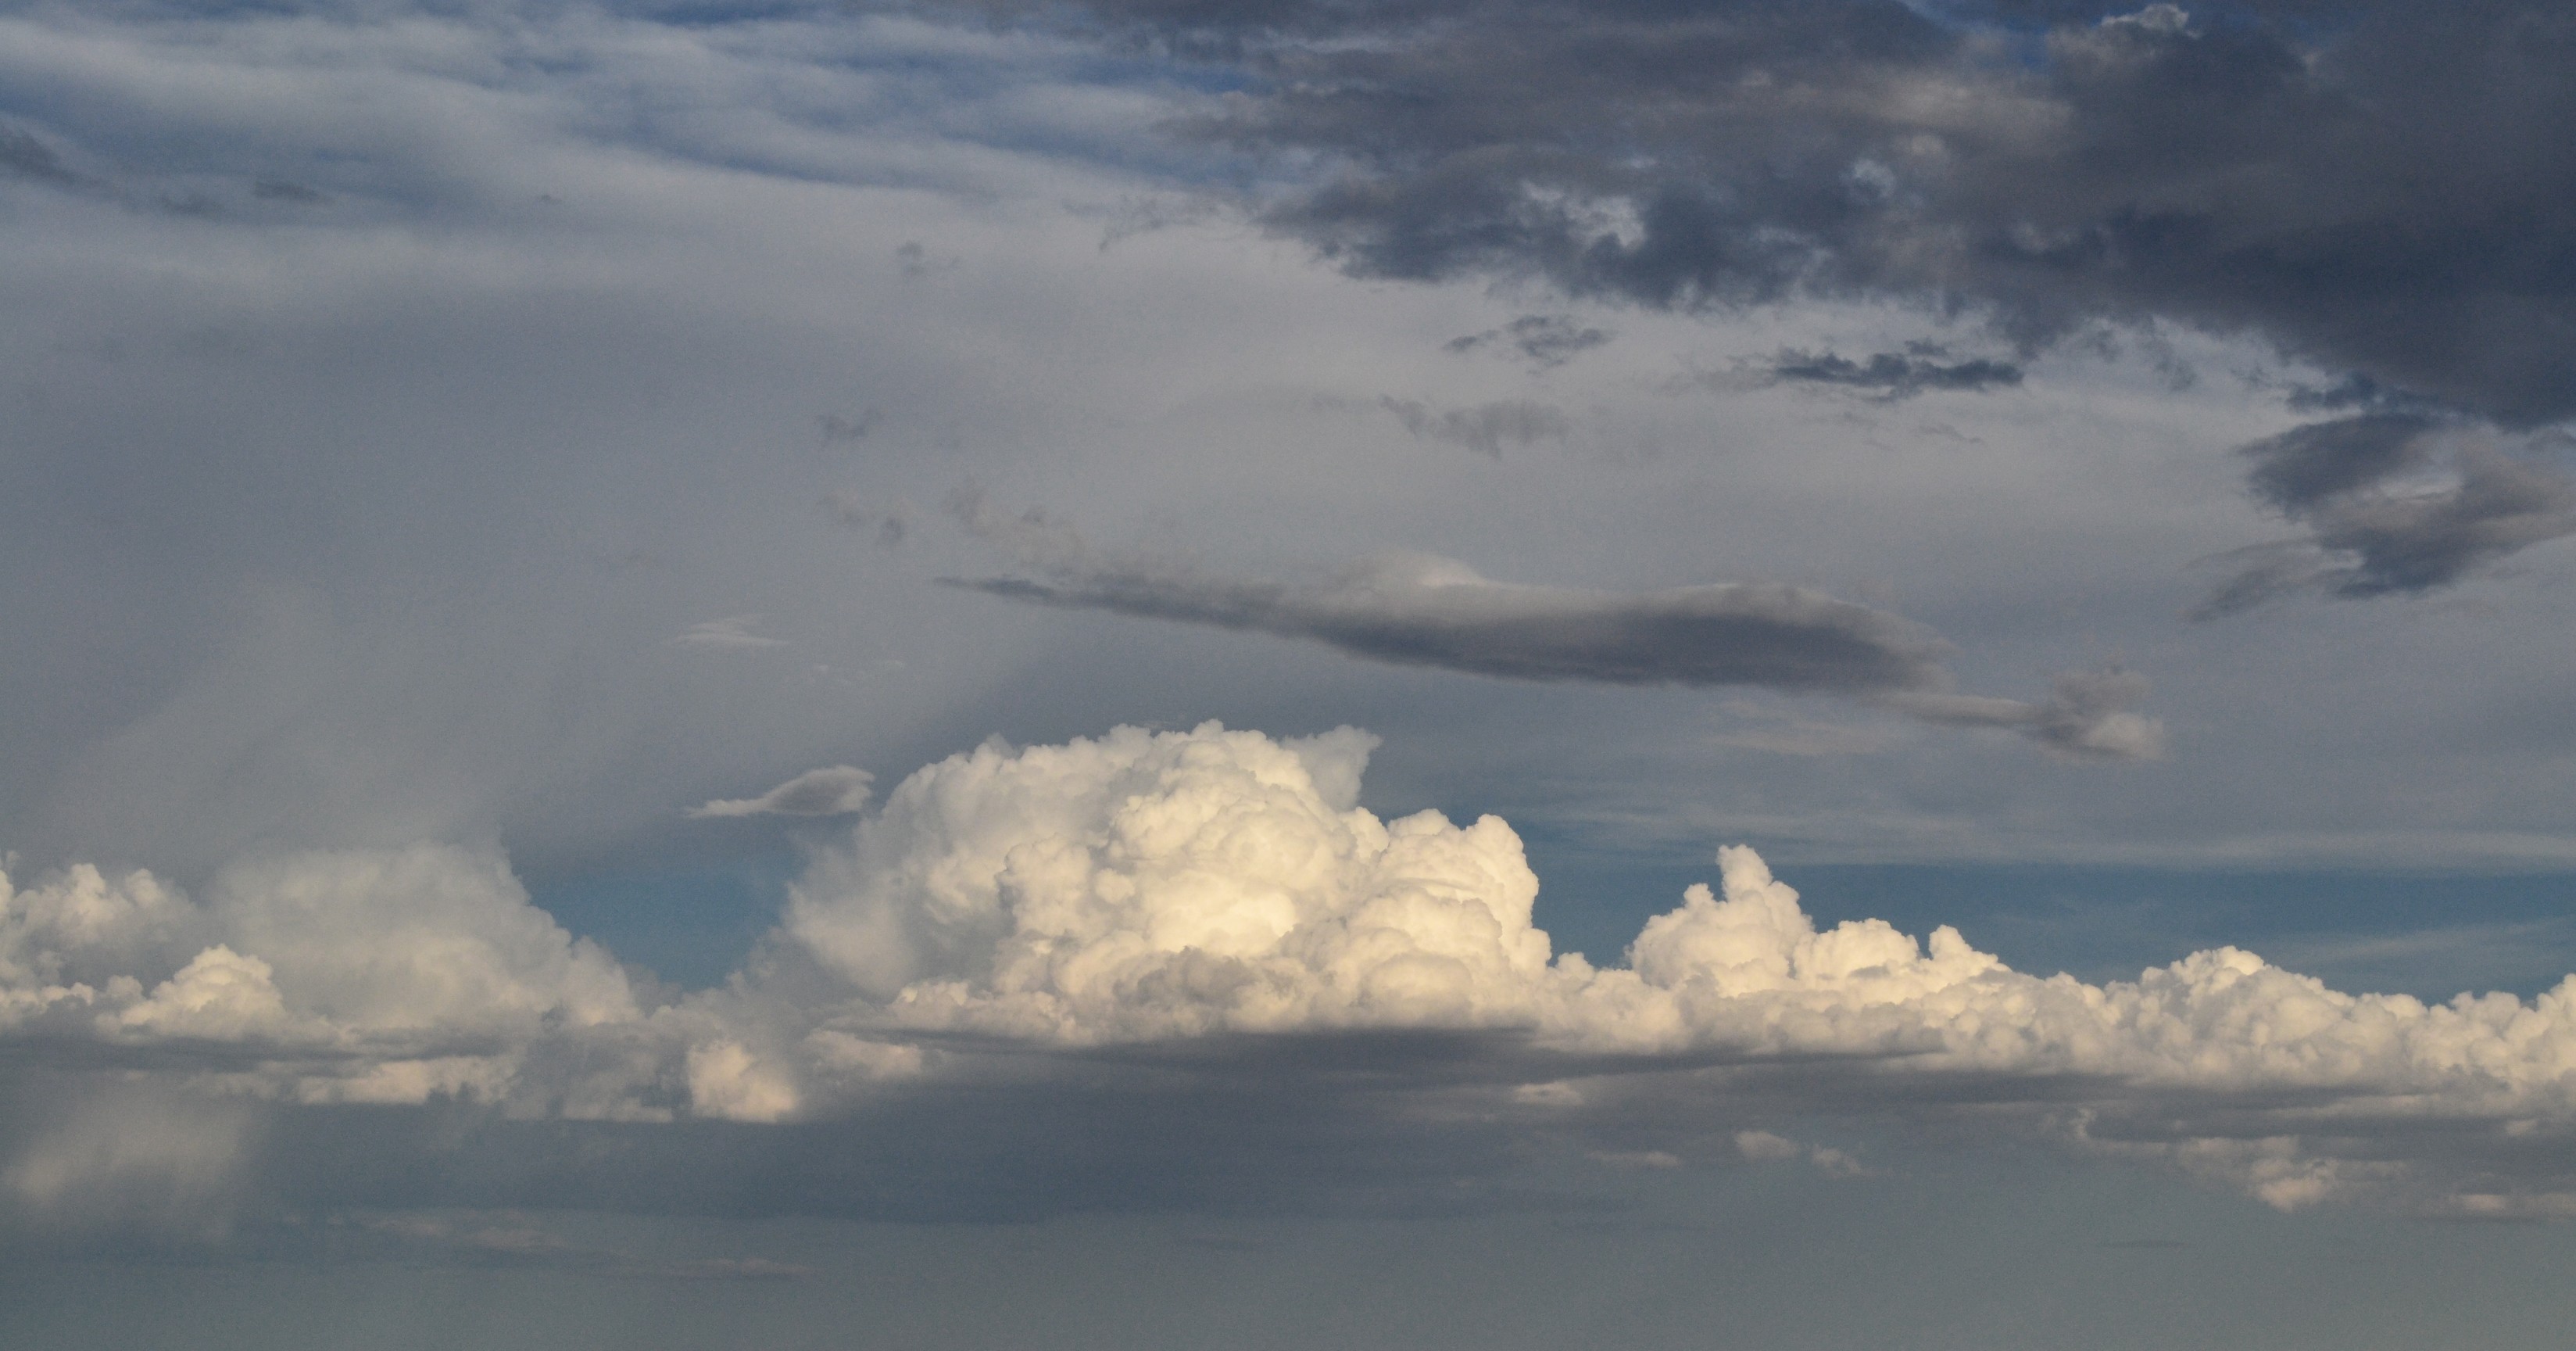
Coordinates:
<point>732,631</point>
<point>1546,341</point>
<point>1893,375</point>
<point>2086,716</point>
<point>839,428</point>
<point>889,523</point>
<point>836,790</point>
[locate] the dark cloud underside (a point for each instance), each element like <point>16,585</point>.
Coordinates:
<point>1430,613</point>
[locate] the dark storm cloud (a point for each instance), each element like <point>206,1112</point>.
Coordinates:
<point>1894,375</point>
<point>2395,504</point>
<point>2304,466</point>
<point>2380,189</point>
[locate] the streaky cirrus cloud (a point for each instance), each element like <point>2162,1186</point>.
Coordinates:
<point>835,790</point>
<point>1421,610</point>
<point>1224,891</point>
<point>732,632</point>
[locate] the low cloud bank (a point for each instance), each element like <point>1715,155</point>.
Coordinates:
<point>1223,890</point>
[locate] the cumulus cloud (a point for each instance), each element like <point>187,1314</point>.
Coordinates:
<point>1224,891</point>
<point>1145,887</point>
<point>2395,503</point>
<point>1420,610</point>
<point>835,790</point>
<point>338,976</point>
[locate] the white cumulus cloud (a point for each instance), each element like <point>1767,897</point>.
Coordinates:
<point>1215,888</point>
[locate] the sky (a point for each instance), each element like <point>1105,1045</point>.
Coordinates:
<point>1277,672</point>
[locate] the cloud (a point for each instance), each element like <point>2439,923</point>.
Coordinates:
<point>832,791</point>
<point>1145,887</point>
<point>890,524</point>
<point>2252,172</point>
<point>384,975</point>
<point>2396,503</point>
<point>1546,341</point>
<point>1484,428</point>
<point>1420,610</point>
<point>732,631</point>
<point>2087,715</point>
<point>1204,908</point>
<point>837,428</point>
<point>23,156</point>
<point>1893,375</point>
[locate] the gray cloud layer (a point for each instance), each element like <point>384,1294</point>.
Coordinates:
<point>1418,610</point>
<point>1424,611</point>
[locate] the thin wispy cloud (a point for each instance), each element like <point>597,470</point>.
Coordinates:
<point>733,632</point>
<point>836,790</point>
<point>1485,428</point>
<point>1545,341</point>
